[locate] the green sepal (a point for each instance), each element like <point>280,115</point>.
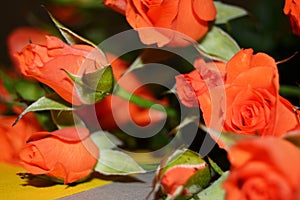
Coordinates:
<point>198,181</point>
<point>226,12</point>
<point>63,119</point>
<point>102,80</point>
<point>95,86</point>
<point>180,157</point>
<point>185,158</point>
<point>215,191</point>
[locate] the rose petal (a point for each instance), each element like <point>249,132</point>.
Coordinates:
<point>204,9</point>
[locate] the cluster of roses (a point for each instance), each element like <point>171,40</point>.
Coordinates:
<point>242,94</point>
<point>53,153</point>
<point>253,106</point>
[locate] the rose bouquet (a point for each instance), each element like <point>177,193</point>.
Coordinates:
<point>172,84</point>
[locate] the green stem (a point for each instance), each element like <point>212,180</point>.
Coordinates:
<point>290,91</point>
<point>144,103</point>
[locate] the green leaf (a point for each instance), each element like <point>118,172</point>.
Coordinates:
<point>215,167</point>
<point>187,120</point>
<point>29,91</point>
<point>219,44</point>
<point>70,36</point>
<point>138,63</point>
<point>49,102</point>
<point>227,139</point>
<point>226,12</point>
<point>105,140</point>
<point>214,191</point>
<point>112,162</point>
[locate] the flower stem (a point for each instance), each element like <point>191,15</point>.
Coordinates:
<point>144,103</point>
<point>286,90</point>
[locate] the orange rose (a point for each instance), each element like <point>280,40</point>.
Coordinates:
<point>113,109</point>
<point>189,86</point>
<point>291,9</point>
<point>263,168</point>
<point>195,83</point>
<point>175,15</point>
<point>253,104</point>
<point>177,177</point>
<point>13,138</point>
<point>21,37</point>
<point>45,61</point>
<point>68,154</point>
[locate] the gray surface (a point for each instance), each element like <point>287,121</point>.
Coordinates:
<point>123,188</point>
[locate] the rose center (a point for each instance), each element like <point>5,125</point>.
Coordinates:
<point>248,115</point>
<point>256,189</point>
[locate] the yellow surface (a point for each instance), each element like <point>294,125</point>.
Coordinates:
<point>13,187</point>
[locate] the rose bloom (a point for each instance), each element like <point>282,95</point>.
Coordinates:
<point>171,15</point>
<point>177,177</point>
<point>192,85</point>
<point>248,101</point>
<point>263,168</point>
<point>67,154</point>
<point>22,36</point>
<point>111,112</point>
<point>254,105</point>
<point>291,9</point>
<point>13,138</point>
<point>45,61</point>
